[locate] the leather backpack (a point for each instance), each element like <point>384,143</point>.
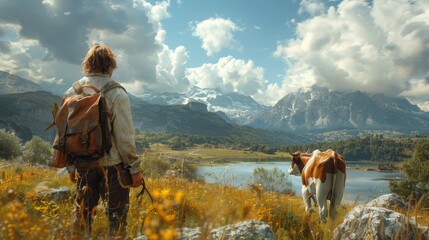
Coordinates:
<point>83,125</point>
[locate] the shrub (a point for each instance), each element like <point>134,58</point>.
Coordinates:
<point>271,180</point>
<point>186,170</point>
<point>153,166</point>
<point>10,145</point>
<point>37,151</point>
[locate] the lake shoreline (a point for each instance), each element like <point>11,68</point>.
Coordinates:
<point>368,165</point>
<point>203,156</point>
<point>360,184</point>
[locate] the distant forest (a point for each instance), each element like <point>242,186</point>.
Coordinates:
<point>369,148</point>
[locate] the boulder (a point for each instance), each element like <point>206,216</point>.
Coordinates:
<point>366,222</point>
<point>44,191</point>
<point>247,230</point>
<point>390,201</point>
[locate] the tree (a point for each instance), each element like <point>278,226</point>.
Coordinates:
<point>10,145</point>
<point>416,171</point>
<point>271,180</point>
<point>37,151</point>
<point>177,143</point>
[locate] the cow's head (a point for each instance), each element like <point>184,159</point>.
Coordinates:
<point>295,164</point>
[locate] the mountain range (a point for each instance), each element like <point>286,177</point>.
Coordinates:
<point>10,83</point>
<point>320,108</point>
<point>298,117</point>
<point>239,108</point>
<point>28,113</point>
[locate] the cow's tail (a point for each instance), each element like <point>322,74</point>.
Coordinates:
<point>334,180</point>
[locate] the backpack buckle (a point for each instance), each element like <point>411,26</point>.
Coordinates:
<point>84,139</point>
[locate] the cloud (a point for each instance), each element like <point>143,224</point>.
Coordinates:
<point>52,37</point>
<point>313,7</point>
<point>4,45</point>
<point>270,95</point>
<point>64,35</point>
<point>230,75</point>
<point>418,93</point>
<point>216,34</point>
<point>380,47</point>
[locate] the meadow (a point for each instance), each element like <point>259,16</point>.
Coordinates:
<point>179,202</point>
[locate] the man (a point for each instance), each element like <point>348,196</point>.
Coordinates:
<point>99,178</point>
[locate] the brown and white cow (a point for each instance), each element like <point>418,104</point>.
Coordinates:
<point>323,175</point>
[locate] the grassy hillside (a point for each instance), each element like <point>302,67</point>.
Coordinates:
<point>179,203</point>
<point>24,214</point>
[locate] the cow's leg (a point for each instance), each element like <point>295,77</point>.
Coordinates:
<point>334,208</point>
<point>306,197</point>
<point>322,190</point>
<point>337,194</point>
<point>312,192</point>
<point>323,209</point>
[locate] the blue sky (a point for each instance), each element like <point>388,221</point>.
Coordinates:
<point>262,26</point>
<point>264,49</point>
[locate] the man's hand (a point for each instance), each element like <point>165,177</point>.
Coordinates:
<point>137,180</point>
<point>72,176</point>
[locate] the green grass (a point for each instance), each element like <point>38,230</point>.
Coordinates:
<point>205,155</point>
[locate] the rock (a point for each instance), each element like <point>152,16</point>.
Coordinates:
<point>366,222</point>
<point>244,230</point>
<point>391,201</point>
<point>62,172</point>
<point>141,238</point>
<point>247,230</point>
<point>172,173</point>
<point>190,233</point>
<point>43,190</point>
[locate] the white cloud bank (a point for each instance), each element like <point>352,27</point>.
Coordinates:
<point>216,34</point>
<point>230,75</point>
<point>45,41</point>
<point>381,47</point>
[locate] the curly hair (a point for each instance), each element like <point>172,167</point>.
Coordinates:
<point>99,59</point>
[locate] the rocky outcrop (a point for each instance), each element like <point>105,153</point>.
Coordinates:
<point>247,230</point>
<point>375,221</point>
<point>244,230</point>
<point>391,201</point>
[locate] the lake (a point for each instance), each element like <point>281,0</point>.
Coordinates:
<point>361,186</point>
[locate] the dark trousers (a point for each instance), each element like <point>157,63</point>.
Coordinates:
<point>93,183</point>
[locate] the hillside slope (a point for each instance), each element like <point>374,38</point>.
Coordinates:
<point>28,113</point>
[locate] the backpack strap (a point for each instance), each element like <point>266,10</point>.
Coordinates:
<point>111,85</point>
<point>106,88</point>
<point>79,88</point>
